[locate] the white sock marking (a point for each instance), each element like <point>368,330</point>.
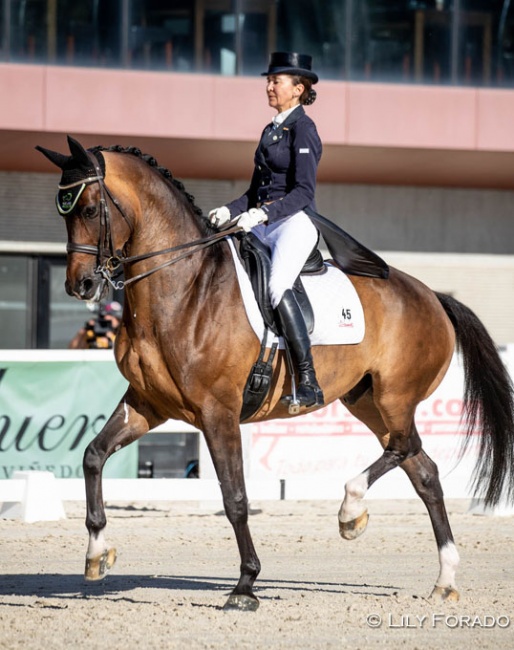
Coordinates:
<point>97,544</point>
<point>449,561</point>
<point>352,506</point>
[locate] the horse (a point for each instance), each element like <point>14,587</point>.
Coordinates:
<point>186,348</point>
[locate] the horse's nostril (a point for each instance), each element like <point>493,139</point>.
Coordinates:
<point>87,285</point>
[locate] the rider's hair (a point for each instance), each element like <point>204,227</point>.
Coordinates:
<point>309,94</point>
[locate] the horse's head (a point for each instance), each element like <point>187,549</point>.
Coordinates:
<point>83,201</point>
<point>154,210</point>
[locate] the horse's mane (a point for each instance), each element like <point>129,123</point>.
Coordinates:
<point>150,160</point>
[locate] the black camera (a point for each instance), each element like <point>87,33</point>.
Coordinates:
<point>100,332</point>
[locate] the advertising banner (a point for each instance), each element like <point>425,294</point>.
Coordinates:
<point>52,406</point>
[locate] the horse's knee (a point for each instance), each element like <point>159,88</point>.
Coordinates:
<point>93,460</point>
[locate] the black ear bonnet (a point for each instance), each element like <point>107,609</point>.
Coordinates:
<point>78,169</point>
<point>75,177</point>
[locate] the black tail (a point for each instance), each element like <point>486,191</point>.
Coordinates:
<point>488,403</point>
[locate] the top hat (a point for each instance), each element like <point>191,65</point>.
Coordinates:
<point>291,63</point>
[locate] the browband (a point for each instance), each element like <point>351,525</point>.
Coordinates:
<point>68,195</point>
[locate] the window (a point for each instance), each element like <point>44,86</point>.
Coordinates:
<point>15,303</point>
<point>35,310</point>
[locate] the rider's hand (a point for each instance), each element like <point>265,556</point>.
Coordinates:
<point>252,218</point>
<point>219,216</point>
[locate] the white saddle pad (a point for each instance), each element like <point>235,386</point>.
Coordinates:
<point>338,313</point>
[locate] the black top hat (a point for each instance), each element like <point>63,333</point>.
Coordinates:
<point>291,63</point>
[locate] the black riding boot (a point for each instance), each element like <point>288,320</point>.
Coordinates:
<point>294,330</point>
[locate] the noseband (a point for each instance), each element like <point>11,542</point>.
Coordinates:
<point>110,260</point>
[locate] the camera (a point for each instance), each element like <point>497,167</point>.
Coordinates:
<point>100,331</point>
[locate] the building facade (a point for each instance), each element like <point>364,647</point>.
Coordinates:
<point>415,109</point>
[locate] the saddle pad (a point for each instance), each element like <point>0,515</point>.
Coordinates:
<point>338,313</point>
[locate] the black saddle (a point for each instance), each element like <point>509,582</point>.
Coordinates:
<point>256,257</point>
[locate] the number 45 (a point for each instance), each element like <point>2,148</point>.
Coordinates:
<point>346,314</point>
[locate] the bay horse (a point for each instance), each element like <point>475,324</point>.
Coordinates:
<point>186,348</point>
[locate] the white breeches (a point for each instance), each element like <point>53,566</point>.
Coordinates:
<point>291,241</point>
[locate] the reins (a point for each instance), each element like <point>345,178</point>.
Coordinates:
<point>110,262</point>
<point>115,262</point>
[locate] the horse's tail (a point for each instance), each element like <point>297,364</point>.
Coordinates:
<point>488,403</point>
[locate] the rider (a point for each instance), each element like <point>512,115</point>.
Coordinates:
<point>282,186</point>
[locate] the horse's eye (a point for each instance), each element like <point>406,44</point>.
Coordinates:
<point>89,211</point>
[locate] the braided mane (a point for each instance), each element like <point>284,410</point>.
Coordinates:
<point>150,160</point>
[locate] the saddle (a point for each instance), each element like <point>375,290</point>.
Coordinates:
<point>256,258</point>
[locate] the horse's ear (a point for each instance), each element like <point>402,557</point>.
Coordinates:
<point>55,157</point>
<point>78,152</point>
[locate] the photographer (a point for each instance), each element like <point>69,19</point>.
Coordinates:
<point>99,333</point>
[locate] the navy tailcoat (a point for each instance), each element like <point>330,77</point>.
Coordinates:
<point>286,164</point>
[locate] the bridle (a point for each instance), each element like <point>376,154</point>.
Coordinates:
<point>110,260</point>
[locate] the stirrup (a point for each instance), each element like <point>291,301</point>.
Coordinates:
<point>307,395</point>
<point>310,395</point>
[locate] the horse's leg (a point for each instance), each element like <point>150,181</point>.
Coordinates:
<point>223,438</point>
<point>422,471</point>
<point>353,514</point>
<point>128,423</point>
<point>401,444</point>
<point>393,424</point>
<point>424,476</point>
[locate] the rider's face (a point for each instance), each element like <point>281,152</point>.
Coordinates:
<point>282,92</point>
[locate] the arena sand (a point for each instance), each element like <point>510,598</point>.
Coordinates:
<point>177,563</point>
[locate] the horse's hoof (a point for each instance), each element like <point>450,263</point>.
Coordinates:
<point>241,603</point>
<point>445,594</point>
<point>98,567</point>
<point>352,529</point>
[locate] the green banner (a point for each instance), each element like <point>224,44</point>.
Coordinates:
<point>51,410</point>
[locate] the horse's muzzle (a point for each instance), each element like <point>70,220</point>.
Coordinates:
<point>87,288</point>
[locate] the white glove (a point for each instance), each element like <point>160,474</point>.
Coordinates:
<point>252,218</point>
<point>219,216</point>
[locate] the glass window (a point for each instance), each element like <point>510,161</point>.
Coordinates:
<point>3,32</point>
<point>380,41</point>
<point>15,303</point>
<point>318,29</point>
<point>401,41</point>
<point>216,41</point>
<point>480,25</point>
<point>77,39</point>
<point>503,60</point>
<point>161,34</point>
<point>88,33</point>
<point>66,315</point>
<point>35,310</point>
<point>258,34</point>
<point>31,27</point>
<point>61,316</point>
<point>433,40</point>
